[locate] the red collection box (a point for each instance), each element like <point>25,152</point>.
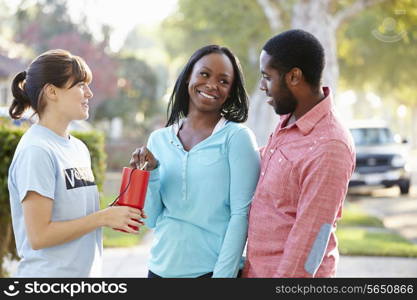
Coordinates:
<point>133,189</point>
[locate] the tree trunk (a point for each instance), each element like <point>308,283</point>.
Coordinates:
<point>262,118</point>
<point>313,17</point>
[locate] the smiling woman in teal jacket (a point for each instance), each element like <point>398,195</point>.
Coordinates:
<point>204,169</point>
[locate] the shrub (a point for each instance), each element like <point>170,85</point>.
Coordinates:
<point>9,137</point>
<point>95,144</point>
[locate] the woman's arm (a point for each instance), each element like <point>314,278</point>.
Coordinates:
<point>244,173</point>
<point>44,233</point>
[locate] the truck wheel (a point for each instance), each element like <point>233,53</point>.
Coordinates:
<point>404,185</point>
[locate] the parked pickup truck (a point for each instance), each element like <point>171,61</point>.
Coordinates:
<point>381,160</point>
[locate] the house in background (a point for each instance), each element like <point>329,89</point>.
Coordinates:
<point>9,67</point>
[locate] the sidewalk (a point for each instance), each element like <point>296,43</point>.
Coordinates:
<point>127,262</point>
<point>132,262</point>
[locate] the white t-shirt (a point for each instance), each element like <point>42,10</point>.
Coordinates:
<point>60,169</point>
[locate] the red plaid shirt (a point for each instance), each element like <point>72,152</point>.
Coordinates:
<point>305,170</point>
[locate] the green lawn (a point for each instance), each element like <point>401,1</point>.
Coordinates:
<point>113,238</point>
<point>359,241</point>
<point>362,234</point>
<point>352,216</point>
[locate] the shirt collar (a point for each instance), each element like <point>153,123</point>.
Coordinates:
<point>307,122</point>
<point>222,122</point>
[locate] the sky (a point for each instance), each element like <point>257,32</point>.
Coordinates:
<point>121,15</point>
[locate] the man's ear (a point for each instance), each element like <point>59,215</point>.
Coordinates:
<point>294,76</point>
<point>50,91</point>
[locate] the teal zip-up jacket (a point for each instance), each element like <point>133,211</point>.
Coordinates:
<point>198,201</point>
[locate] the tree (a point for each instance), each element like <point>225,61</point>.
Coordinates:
<point>47,25</point>
<point>137,92</point>
<point>322,18</point>
<point>145,44</point>
<point>375,54</point>
<point>103,66</point>
<point>37,23</point>
<point>239,25</point>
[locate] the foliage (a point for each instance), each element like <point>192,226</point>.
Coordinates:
<point>9,138</point>
<point>137,92</point>
<point>46,24</point>
<point>95,144</point>
<point>371,59</point>
<point>376,52</point>
<point>122,86</point>
<point>243,26</point>
<point>239,25</point>
<point>103,66</point>
<point>39,22</point>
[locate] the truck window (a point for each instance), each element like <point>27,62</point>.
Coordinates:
<point>372,136</point>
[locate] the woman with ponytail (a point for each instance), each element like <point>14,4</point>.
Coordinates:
<point>54,199</point>
<point>21,100</point>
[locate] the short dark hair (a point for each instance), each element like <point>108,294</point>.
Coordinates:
<point>297,48</point>
<point>236,106</point>
<point>58,67</point>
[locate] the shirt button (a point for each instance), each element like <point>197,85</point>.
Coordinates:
<point>272,150</point>
<point>279,160</point>
<point>263,173</point>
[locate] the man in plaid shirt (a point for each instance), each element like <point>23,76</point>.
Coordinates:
<point>305,167</point>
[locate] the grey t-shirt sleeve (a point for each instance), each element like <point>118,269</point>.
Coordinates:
<point>35,171</point>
